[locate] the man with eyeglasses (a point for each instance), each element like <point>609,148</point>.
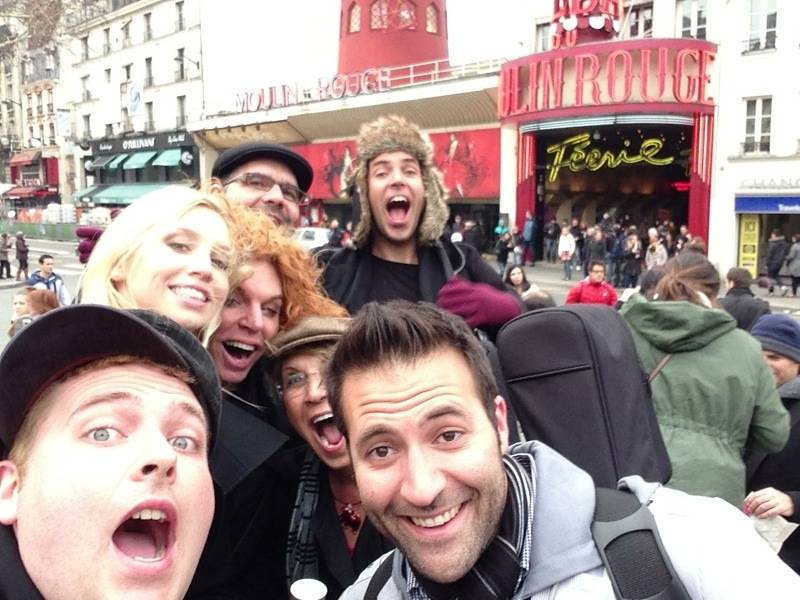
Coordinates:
<point>594,289</point>
<point>265,176</point>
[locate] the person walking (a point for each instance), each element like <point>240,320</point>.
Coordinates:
<point>777,249</point>
<point>528,238</point>
<point>46,279</point>
<point>594,289</point>
<point>566,250</point>
<point>5,265</point>
<point>631,260</point>
<point>22,256</point>
<point>551,234</point>
<point>793,263</point>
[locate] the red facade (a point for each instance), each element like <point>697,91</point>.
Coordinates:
<point>468,160</point>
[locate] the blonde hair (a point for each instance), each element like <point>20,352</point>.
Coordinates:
<point>133,227</point>
<point>259,239</point>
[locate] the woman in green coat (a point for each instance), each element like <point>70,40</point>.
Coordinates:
<point>715,395</point>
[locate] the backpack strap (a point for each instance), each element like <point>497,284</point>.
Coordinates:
<point>379,578</point>
<point>659,366</point>
<point>627,540</point>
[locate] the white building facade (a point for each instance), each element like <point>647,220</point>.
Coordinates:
<point>136,80</point>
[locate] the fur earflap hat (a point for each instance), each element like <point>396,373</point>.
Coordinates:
<point>393,133</point>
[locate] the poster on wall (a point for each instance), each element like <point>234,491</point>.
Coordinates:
<point>748,243</point>
<point>469,162</point>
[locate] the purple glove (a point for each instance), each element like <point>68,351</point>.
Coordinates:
<point>479,304</point>
<point>88,237</point>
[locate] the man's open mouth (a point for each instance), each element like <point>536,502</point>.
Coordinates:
<point>397,207</point>
<point>145,536</point>
<point>327,431</point>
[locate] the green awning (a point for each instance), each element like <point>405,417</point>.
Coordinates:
<point>89,192</point>
<point>125,193</point>
<point>168,158</point>
<point>114,164</point>
<point>101,161</point>
<point>138,160</point>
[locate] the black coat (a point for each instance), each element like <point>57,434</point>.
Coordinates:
<point>744,307</point>
<point>777,249</point>
<point>15,584</point>
<point>782,470</point>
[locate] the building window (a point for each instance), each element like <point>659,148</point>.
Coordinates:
<point>52,139</point>
<point>641,21</point>
<point>109,130</point>
<point>148,72</point>
<point>406,15</point>
<point>50,101</point>
<point>85,48</point>
<point>108,75</point>
<point>354,18</point>
<point>87,126</point>
<point>126,70</point>
<point>691,18</point>
<point>379,15</point>
<point>432,19</point>
<point>763,22</point>
<point>106,41</point>
<point>758,125</point>
<point>543,38</point>
<point>42,139</point>
<point>148,28</point>
<point>125,117</point>
<point>39,105</point>
<point>179,23</point>
<point>126,34</point>
<point>180,73</point>
<point>149,124</point>
<point>86,94</point>
<point>181,111</point>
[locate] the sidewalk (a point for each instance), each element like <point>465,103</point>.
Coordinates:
<point>549,278</point>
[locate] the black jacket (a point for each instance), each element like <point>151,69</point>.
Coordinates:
<point>744,307</point>
<point>347,276</point>
<point>255,487</point>
<point>15,584</point>
<point>777,249</point>
<point>782,470</point>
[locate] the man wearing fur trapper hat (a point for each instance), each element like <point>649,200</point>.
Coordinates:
<point>399,251</point>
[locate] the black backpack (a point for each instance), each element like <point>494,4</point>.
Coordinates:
<point>576,383</point>
<point>627,540</point>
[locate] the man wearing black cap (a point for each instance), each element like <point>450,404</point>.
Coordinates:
<point>266,176</point>
<point>104,439</point>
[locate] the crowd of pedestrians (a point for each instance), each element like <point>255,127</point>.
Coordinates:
<point>222,414</point>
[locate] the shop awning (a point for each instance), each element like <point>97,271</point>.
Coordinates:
<point>168,158</point>
<point>125,193</point>
<point>25,158</point>
<point>789,204</point>
<point>89,192</point>
<point>22,192</point>
<point>101,162</point>
<point>138,160</point>
<point>114,164</point>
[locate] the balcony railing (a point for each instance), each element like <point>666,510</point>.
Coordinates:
<point>50,108</point>
<point>51,141</point>
<point>86,96</point>
<point>29,112</point>
<point>148,34</point>
<point>755,146</point>
<point>149,126</point>
<point>127,125</point>
<point>148,81</point>
<point>40,110</point>
<point>126,42</point>
<point>180,74</point>
<point>180,25</point>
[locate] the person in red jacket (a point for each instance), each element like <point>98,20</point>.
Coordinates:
<point>594,289</point>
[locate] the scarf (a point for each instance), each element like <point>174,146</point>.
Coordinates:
<point>301,551</point>
<point>505,562</point>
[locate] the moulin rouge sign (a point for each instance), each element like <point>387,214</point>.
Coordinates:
<point>662,74</point>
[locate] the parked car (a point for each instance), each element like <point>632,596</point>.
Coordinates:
<point>311,237</point>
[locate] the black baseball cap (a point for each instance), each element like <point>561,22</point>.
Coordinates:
<point>231,158</point>
<point>62,340</point>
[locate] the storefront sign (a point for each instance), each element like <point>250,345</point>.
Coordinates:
<point>626,75</point>
<point>782,183</point>
<point>577,155</point>
<point>156,141</point>
<point>354,84</point>
<point>748,243</point>
<point>768,204</point>
<point>571,17</point>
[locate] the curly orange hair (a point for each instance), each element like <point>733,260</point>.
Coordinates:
<point>257,238</point>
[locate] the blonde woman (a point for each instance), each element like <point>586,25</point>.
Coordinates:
<point>171,252</point>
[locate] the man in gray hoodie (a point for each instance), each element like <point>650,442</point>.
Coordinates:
<point>427,433</point>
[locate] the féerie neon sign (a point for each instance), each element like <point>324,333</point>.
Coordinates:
<point>579,159</point>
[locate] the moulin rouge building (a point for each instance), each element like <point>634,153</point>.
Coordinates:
<point>605,118</point>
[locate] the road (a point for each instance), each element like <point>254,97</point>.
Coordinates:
<point>66,265</point>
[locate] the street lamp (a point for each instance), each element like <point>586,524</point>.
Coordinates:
<point>182,58</point>
<point>9,102</point>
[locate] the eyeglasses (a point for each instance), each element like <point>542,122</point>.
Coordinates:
<point>298,383</point>
<point>264,183</point>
